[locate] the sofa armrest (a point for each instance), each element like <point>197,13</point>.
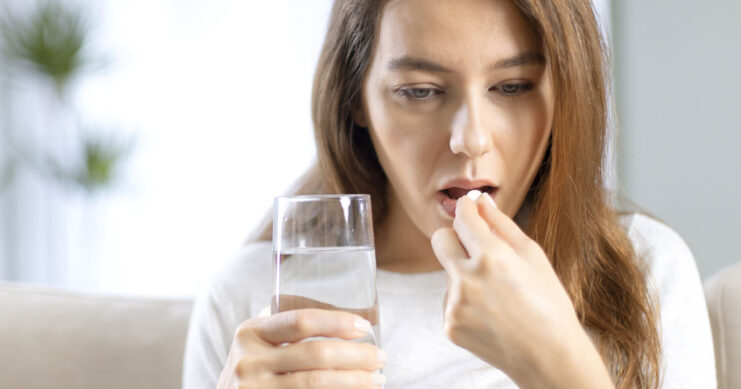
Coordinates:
<point>723,293</point>
<point>61,339</point>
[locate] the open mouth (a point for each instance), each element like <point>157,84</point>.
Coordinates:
<point>448,197</point>
<point>455,192</point>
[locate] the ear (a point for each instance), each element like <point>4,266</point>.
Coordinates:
<point>359,116</point>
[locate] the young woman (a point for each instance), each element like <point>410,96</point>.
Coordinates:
<point>540,283</point>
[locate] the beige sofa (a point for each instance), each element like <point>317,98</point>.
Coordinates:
<point>723,294</point>
<point>64,340</point>
<point>57,339</point>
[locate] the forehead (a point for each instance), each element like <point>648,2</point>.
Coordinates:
<point>455,33</point>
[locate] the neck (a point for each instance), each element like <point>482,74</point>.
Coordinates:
<point>400,246</point>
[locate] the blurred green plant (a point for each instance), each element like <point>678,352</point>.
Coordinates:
<point>102,157</point>
<point>7,173</point>
<point>99,163</point>
<point>53,38</point>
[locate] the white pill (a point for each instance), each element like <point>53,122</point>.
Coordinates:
<point>474,194</point>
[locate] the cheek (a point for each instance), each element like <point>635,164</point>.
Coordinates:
<point>410,149</point>
<point>523,146</point>
<point>406,144</point>
<point>527,129</point>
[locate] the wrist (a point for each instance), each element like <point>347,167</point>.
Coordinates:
<point>573,362</point>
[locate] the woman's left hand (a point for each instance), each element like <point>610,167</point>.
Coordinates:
<point>506,305</point>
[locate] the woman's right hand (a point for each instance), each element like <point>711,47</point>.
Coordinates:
<point>267,352</point>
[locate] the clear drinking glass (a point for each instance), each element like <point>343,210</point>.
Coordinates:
<point>324,256</point>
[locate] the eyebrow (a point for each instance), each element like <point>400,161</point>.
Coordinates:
<point>413,63</point>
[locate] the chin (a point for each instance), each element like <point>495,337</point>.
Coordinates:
<point>435,222</point>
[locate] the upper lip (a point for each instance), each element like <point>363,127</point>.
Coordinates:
<point>467,184</point>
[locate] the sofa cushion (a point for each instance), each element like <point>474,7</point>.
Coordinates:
<point>723,292</point>
<point>59,339</point>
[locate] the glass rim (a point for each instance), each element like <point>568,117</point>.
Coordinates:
<point>322,197</point>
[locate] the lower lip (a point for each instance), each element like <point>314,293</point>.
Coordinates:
<point>448,204</point>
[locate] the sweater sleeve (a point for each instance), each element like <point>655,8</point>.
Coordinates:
<point>236,293</point>
<point>207,343</point>
<point>687,345</point>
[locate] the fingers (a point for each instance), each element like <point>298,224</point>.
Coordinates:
<point>451,254</point>
<point>448,249</point>
<point>294,326</point>
<point>289,302</point>
<point>330,379</point>
<point>500,223</point>
<point>327,354</point>
<point>265,352</point>
<point>474,233</point>
<point>509,232</point>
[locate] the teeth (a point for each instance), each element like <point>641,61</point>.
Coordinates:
<point>474,194</point>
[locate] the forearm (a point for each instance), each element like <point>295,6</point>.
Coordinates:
<point>573,364</point>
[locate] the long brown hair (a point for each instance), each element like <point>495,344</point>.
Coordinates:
<point>572,217</point>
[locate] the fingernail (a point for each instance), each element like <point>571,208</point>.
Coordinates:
<point>473,194</point>
<point>378,378</point>
<point>362,325</point>
<point>491,200</point>
<point>381,356</point>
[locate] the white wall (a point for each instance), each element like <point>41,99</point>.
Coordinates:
<point>217,93</point>
<point>220,93</point>
<point>678,65</point>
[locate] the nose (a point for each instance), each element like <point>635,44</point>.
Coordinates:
<point>469,135</point>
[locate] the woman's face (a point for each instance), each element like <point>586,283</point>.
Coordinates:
<point>456,97</point>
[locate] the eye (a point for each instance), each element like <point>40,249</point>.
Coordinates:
<point>418,94</point>
<point>513,89</point>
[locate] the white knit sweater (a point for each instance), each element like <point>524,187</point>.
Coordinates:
<point>420,356</point>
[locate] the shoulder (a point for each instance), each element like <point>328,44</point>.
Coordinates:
<point>687,345</point>
<point>242,287</point>
<point>663,251</point>
<point>238,291</point>
<point>250,261</point>
<point>650,235</point>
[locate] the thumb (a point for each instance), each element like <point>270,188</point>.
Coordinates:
<point>447,290</point>
<point>448,250</point>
